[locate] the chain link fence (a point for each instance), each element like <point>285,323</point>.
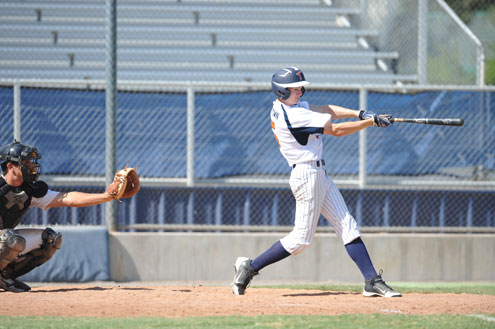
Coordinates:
<point>193,103</point>
<point>415,175</point>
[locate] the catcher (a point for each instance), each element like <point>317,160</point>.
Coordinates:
<point>22,250</point>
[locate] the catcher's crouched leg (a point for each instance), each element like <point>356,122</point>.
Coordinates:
<point>11,245</point>
<point>52,241</point>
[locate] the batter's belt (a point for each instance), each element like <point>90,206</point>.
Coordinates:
<point>319,163</point>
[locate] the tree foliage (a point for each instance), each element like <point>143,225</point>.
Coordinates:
<point>466,9</point>
<point>490,72</point>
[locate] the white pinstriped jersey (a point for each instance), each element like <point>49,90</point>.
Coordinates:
<point>298,131</point>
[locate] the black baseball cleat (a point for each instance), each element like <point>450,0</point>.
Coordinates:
<point>377,287</point>
<point>13,285</point>
<point>244,273</point>
<point>21,285</point>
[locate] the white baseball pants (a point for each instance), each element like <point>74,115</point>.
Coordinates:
<point>316,194</point>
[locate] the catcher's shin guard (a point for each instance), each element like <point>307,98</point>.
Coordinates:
<point>52,241</point>
<point>11,245</point>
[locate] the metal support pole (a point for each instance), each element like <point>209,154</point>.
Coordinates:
<point>190,136</point>
<point>363,105</point>
<point>480,66</point>
<point>17,111</point>
<point>422,41</point>
<point>365,22</point>
<point>110,108</point>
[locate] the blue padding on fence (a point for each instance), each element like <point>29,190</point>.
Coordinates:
<point>233,134</point>
<point>276,206</point>
<point>7,114</point>
<point>84,257</point>
<point>264,206</point>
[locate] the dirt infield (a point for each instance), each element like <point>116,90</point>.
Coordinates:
<point>184,301</point>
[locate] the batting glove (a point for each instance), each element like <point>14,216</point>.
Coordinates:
<point>363,115</point>
<point>382,120</point>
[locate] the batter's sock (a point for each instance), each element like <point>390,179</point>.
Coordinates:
<point>357,250</point>
<point>272,255</point>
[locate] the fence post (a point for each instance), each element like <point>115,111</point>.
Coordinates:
<point>363,105</point>
<point>17,110</point>
<point>110,108</point>
<point>480,65</point>
<point>364,14</point>
<point>190,136</point>
<point>422,41</point>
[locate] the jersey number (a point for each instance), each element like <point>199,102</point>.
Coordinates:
<point>273,127</point>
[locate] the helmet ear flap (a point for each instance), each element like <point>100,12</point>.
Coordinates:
<point>286,94</point>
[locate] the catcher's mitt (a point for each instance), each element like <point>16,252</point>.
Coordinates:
<point>125,184</point>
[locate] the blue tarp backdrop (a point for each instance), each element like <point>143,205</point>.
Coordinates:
<point>233,135</point>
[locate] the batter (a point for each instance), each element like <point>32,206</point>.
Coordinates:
<point>298,128</point>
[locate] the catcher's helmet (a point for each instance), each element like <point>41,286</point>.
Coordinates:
<point>25,156</point>
<point>285,78</point>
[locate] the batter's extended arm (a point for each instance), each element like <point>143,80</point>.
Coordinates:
<point>337,112</point>
<point>346,128</point>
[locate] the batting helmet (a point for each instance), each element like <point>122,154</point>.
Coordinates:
<point>290,77</point>
<point>25,156</point>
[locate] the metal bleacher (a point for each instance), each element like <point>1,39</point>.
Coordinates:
<point>222,41</point>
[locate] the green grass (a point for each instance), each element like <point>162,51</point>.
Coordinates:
<point>487,288</point>
<point>348,321</point>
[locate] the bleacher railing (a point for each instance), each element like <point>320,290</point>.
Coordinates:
<point>418,31</point>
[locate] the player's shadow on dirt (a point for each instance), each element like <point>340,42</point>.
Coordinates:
<point>89,288</point>
<point>325,293</point>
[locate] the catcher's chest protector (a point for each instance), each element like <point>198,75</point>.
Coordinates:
<point>15,201</point>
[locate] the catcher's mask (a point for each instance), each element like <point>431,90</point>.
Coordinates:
<point>25,156</point>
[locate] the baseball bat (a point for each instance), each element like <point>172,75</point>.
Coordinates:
<point>430,121</point>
